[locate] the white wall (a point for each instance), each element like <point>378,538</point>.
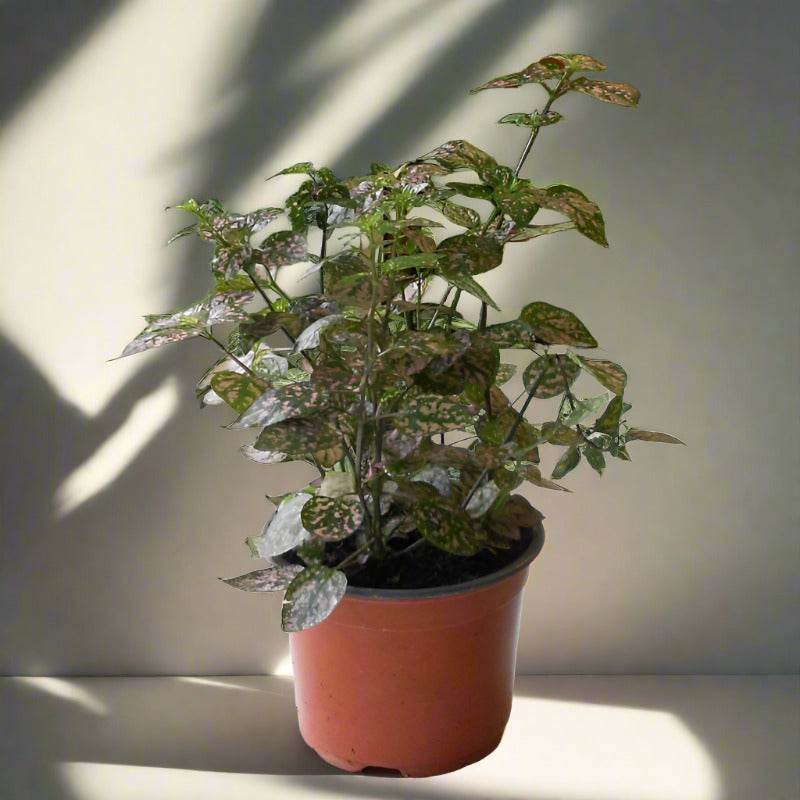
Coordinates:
<point>121,502</point>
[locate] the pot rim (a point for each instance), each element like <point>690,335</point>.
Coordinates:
<point>522,561</point>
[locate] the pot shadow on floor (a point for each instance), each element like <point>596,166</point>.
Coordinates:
<point>224,725</point>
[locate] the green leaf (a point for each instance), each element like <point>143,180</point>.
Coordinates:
<point>558,433</point>
<point>534,120</point>
<point>283,531</point>
<point>239,391</point>
<point>622,94</point>
<point>271,579</point>
<point>301,168</point>
<point>553,325</point>
<point>610,419</point>
<point>471,286</point>
<point>293,400</point>
<point>584,409</point>
<point>579,208</point>
<point>412,262</point>
<point>477,191</point>
<point>431,413</point>
<point>311,597</point>
<point>549,376</point>
<point>609,374</point>
<point>651,436</point>
<point>332,519</point>
<point>532,231</point>
<point>596,459</point>
<point>566,463</point>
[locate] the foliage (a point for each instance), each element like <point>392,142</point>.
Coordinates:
<point>378,377</point>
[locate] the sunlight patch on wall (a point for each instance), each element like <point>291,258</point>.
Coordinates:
<point>83,181</point>
<point>283,667</point>
<point>65,690</point>
<point>373,83</point>
<point>146,419</point>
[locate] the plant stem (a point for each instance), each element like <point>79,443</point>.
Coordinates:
<point>210,336</point>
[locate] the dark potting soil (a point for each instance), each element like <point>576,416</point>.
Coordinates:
<point>427,566</point>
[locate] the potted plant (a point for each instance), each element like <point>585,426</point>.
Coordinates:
<point>404,559</point>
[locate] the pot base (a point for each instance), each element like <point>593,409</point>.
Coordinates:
<point>422,770</point>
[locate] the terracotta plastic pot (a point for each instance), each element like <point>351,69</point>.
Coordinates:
<point>416,681</point>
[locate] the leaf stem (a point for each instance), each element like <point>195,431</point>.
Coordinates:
<point>210,336</point>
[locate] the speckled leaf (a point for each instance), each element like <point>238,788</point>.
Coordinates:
<point>270,579</point>
<point>283,531</point>
<point>332,518</point>
<point>311,597</point>
<point>553,325</point>
<point>551,375</point>
<point>300,438</point>
<point>444,524</point>
<point>609,374</point>
<point>533,474</point>
<point>412,351</point>
<point>157,334</point>
<point>537,72</point>
<point>431,413</point>
<point>482,499</point>
<point>280,249</point>
<point>566,463</point>
<point>262,456</point>
<point>579,208</point>
<point>268,322</point>
<point>534,120</point>
<point>622,94</point>
<point>460,154</point>
<point>505,372</point>
<point>651,436</point>
<point>520,204</point>
<point>309,338</point>
<point>461,215</point>
<point>496,429</point>
<point>294,400</point>
<point>469,253</point>
<point>192,321</point>
<point>238,390</point>
<point>514,333</point>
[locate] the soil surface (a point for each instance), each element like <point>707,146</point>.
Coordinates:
<point>427,566</point>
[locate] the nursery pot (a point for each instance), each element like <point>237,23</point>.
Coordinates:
<point>415,681</point>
